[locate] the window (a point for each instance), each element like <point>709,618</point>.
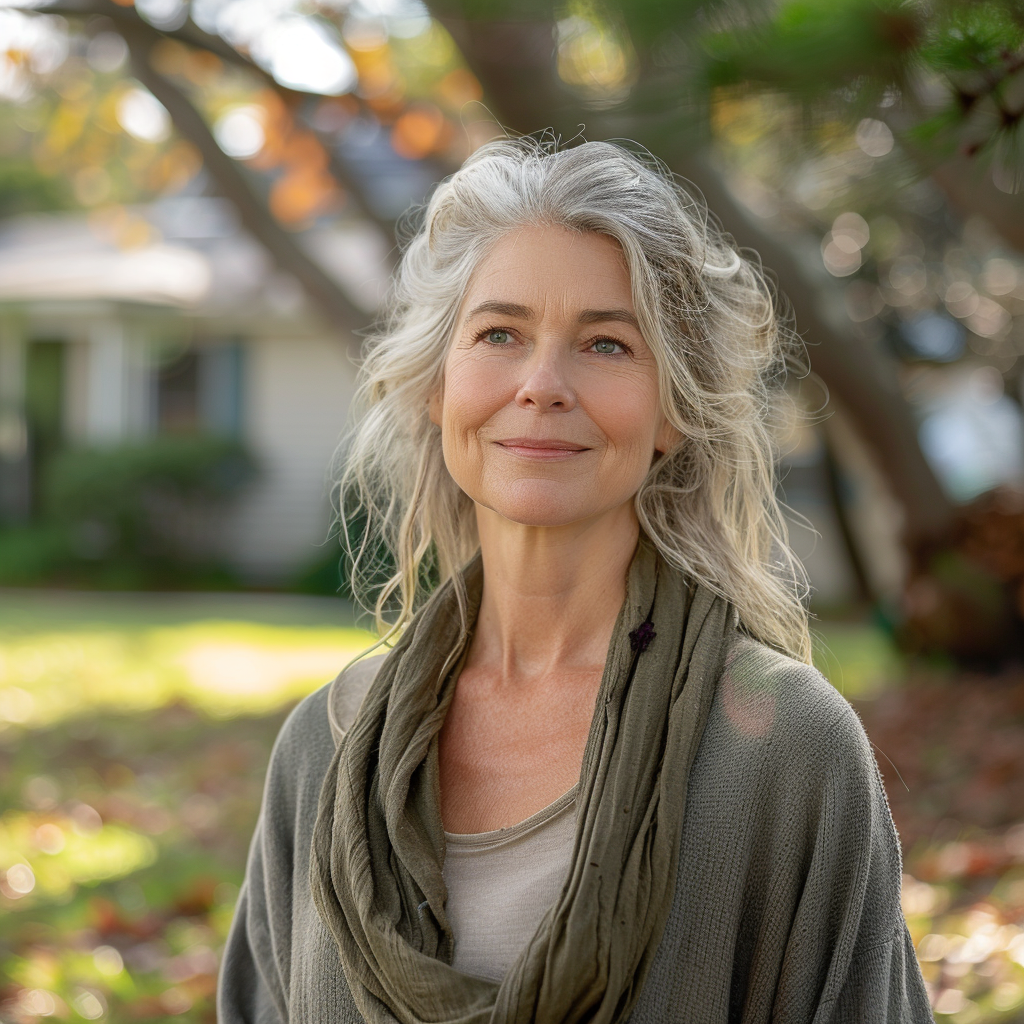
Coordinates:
<point>200,390</point>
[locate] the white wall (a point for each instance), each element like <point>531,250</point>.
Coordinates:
<point>296,397</point>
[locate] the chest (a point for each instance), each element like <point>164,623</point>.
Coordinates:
<point>507,752</point>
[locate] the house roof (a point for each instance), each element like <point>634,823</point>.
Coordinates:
<point>187,252</point>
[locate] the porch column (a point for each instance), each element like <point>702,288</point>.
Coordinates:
<point>106,405</point>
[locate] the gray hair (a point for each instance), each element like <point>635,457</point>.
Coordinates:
<point>711,321</point>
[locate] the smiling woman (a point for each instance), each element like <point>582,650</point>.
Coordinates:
<point>595,778</point>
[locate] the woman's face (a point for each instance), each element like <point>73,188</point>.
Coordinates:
<point>549,410</point>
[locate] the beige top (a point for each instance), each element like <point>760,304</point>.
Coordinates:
<point>502,883</point>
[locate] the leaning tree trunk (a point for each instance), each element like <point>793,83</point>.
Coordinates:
<point>957,600</point>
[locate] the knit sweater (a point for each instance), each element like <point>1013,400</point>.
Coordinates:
<point>786,906</point>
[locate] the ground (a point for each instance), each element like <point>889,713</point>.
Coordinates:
<point>134,733</point>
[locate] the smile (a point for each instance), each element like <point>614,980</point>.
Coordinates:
<point>541,448</point>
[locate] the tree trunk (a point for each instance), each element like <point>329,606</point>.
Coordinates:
<point>967,184</point>
<point>529,98</point>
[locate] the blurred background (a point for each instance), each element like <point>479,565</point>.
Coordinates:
<point>199,206</point>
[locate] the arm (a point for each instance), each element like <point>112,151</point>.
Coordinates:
<point>849,958</point>
<point>255,980</point>
<point>252,987</point>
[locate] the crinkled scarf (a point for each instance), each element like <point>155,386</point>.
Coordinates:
<point>378,844</point>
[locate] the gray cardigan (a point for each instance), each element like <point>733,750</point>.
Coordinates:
<point>786,906</point>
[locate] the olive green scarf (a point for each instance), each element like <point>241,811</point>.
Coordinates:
<point>378,844</point>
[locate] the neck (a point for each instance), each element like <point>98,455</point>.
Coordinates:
<point>551,594</point>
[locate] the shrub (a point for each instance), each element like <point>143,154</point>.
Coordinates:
<point>128,515</point>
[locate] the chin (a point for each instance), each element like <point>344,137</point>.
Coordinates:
<point>545,505</point>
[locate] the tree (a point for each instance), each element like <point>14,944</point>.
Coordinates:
<point>927,93</point>
<point>625,70</point>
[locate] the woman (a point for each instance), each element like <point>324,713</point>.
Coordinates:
<point>595,779</point>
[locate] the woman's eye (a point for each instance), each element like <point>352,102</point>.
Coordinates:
<point>498,337</point>
<point>606,346</point>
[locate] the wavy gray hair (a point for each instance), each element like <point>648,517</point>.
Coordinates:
<point>709,317</point>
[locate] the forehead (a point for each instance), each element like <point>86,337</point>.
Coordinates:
<point>543,263</point>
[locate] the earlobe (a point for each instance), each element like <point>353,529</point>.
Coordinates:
<point>667,437</point>
<point>435,407</point>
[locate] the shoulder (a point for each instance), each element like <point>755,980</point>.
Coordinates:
<point>301,755</point>
<point>787,706</point>
<point>306,742</point>
<point>310,733</point>
<point>346,693</point>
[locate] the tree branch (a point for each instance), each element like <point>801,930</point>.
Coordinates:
<point>127,20</point>
<point>340,312</point>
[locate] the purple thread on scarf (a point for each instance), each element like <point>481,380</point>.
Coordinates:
<point>641,637</point>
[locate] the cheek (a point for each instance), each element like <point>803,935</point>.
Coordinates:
<point>471,396</point>
<point>628,412</point>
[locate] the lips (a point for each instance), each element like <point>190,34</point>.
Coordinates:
<point>542,449</point>
<point>542,444</point>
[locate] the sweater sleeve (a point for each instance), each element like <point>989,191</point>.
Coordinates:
<point>849,957</point>
<point>254,984</point>
<point>252,987</point>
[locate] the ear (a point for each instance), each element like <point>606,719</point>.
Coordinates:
<point>667,437</point>
<point>435,406</point>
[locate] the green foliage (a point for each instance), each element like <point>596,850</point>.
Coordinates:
<point>809,45</point>
<point>973,37</point>
<point>115,484</point>
<point>844,59</point>
<point>322,575</point>
<point>117,517</point>
<point>25,189</point>
<point>29,554</point>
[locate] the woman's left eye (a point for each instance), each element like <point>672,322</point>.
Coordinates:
<point>606,347</point>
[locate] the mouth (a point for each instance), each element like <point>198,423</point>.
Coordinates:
<point>541,448</point>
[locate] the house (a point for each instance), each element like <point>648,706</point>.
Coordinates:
<point>121,324</point>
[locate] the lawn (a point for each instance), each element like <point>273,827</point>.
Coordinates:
<point>134,734</point>
<point>135,730</point>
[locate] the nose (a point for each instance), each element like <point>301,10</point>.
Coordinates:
<point>546,386</point>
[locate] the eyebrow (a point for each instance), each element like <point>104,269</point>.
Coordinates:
<point>600,316</point>
<point>587,316</point>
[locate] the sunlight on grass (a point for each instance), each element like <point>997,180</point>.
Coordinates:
<point>220,668</point>
<point>134,732</point>
<point>49,856</point>
<point>859,659</point>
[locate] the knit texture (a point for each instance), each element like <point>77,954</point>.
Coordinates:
<point>786,901</point>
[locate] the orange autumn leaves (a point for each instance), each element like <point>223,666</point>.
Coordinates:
<point>303,188</point>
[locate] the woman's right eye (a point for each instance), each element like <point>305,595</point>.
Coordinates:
<point>498,337</point>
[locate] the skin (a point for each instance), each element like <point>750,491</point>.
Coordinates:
<point>550,418</point>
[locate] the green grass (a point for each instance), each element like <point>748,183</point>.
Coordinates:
<point>134,735</point>
<point>75,654</point>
